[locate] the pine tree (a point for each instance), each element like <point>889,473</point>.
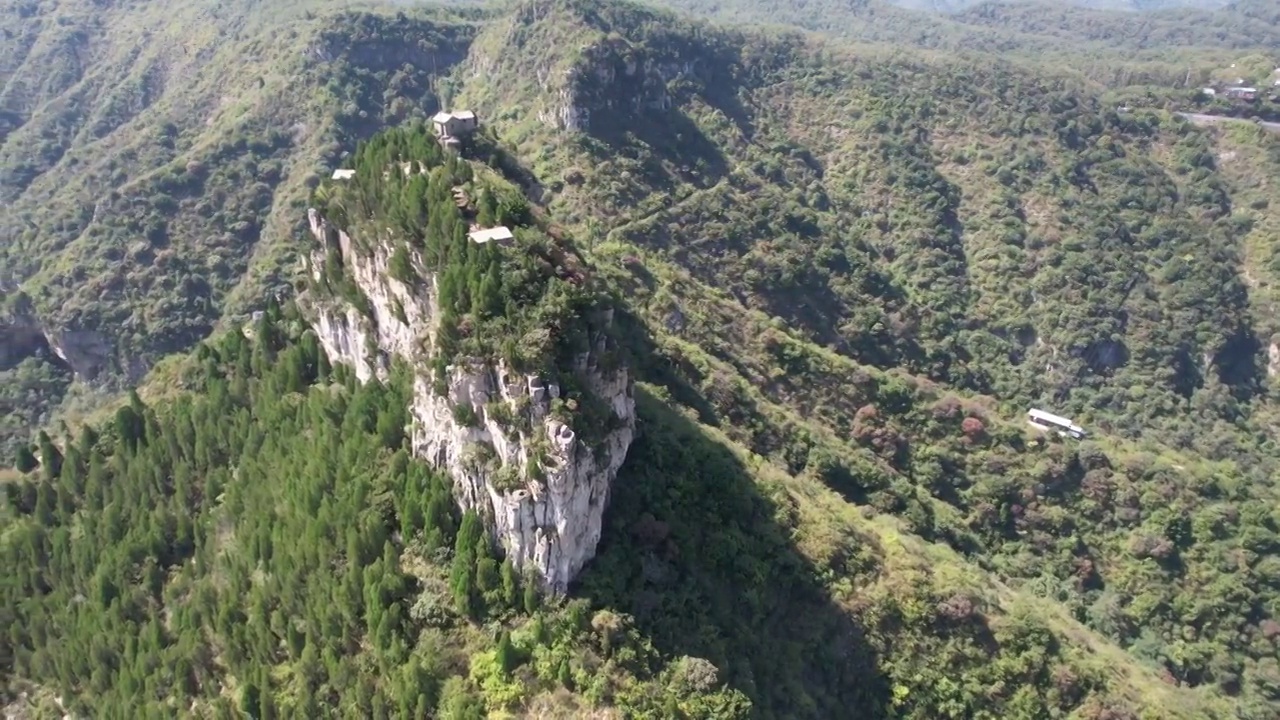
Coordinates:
<point>50,458</point>
<point>530,596</point>
<point>506,655</point>
<point>25,461</point>
<point>510,589</point>
<point>487,212</point>
<point>323,368</point>
<point>400,267</point>
<point>88,438</point>
<point>46,504</point>
<point>490,300</point>
<point>131,427</point>
<point>250,700</point>
<point>463,576</point>
<point>266,707</point>
<point>563,675</point>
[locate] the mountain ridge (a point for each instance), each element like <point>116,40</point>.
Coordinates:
<point>840,272</point>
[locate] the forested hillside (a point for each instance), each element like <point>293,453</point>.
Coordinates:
<point>154,158</point>
<point>997,232</point>
<point>153,155</point>
<point>263,546</point>
<point>993,229</point>
<point>266,548</point>
<point>840,273</point>
<point>1071,35</point>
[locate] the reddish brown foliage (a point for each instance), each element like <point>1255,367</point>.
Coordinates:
<point>973,428</point>
<point>957,607</point>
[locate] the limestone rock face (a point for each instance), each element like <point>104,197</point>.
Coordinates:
<point>504,438</point>
<point>395,321</point>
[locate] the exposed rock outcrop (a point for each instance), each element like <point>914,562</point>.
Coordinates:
<point>88,354</point>
<point>394,320</point>
<point>506,439</point>
<point>609,78</point>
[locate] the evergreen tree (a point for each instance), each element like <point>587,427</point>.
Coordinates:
<point>463,576</point>
<point>50,458</point>
<point>487,210</point>
<point>510,589</point>
<point>251,700</point>
<point>506,655</point>
<point>130,426</point>
<point>401,267</point>
<point>25,461</point>
<point>563,676</point>
<point>530,596</point>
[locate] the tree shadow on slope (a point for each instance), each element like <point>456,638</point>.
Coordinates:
<point>666,145</point>
<point>703,559</point>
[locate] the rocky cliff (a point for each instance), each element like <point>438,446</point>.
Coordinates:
<point>507,439</point>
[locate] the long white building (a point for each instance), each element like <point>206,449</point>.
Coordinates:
<point>1049,422</point>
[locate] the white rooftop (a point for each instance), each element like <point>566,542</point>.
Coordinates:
<point>1050,418</point>
<point>444,117</point>
<point>499,234</point>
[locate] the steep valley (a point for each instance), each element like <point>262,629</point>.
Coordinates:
<point>734,426</point>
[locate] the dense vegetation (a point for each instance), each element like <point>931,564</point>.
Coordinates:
<point>528,302</point>
<point>264,547</point>
<point>1065,35</point>
<point>841,276</point>
<point>154,156</point>
<point>152,176</point>
<point>989,230</point>
<point>984,227</point>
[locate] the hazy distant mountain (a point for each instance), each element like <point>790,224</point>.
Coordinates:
<point>953,6</point>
